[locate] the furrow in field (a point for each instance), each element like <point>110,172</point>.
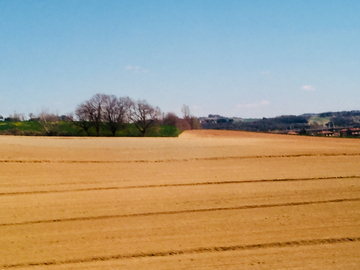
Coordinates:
<point>311,242</point>
<point>242,207</point>
<point>181,185</point>
<point>178,160</point>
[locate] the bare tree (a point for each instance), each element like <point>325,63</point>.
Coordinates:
<point>115,111</point>
<point>82,117</point>
<point>187,115</point>
<point>170,119</point>
<point>144,116</point>
<point>17,117</point>
<point>186,112</point>
<point>183,124</point>
<point>50,122</point>
<point>190,119</point>
<point>95,111</point>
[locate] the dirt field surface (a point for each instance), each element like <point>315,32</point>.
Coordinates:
<point>205,200</point>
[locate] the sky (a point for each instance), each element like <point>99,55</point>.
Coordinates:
<point>236,58</point>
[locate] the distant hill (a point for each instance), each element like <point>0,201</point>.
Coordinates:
<point>285,123</point>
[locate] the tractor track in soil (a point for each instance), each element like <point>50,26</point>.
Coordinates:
<point>242,207</point>
<point>175,160</point>
<point>310,242</point>
<point>179,185</point>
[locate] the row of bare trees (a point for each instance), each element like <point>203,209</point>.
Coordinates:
<point>187,122</point>
<point>109,114</point>
<point>113,112</point>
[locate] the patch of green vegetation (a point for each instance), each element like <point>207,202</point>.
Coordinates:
<point>23,126</point>
<point>356,119</point>
<point>251,119</point>
<point>320,120</point>
<point>66,128</point>
<point>69,129</point>
<point>165,131</point>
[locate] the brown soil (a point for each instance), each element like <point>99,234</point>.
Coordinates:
<point>205,200</point>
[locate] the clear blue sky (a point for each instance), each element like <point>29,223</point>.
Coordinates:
<point>245,58</point>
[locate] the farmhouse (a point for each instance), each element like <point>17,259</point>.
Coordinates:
<point>350,132</point>
<point>326,133</point>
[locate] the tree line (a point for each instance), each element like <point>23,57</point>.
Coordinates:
<point>286,122</point>
<point>109,114</point>
<point>263,125</point>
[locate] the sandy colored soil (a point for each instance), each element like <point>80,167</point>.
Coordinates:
<point>205,200</point>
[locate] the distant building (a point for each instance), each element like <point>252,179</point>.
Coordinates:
<point>326,133</point>
<point>350,132</point>
<point>1,118</point>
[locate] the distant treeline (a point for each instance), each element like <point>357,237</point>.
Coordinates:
<point>109,115</point>
<point>287,122</point>
<point>345,118</point>
<point>262,125</point>
<point>340,114</point>
<point>103,115</point>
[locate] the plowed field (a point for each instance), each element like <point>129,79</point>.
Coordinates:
<point>205,200</point>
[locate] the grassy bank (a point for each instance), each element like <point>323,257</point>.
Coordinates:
<point>66,128</point>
